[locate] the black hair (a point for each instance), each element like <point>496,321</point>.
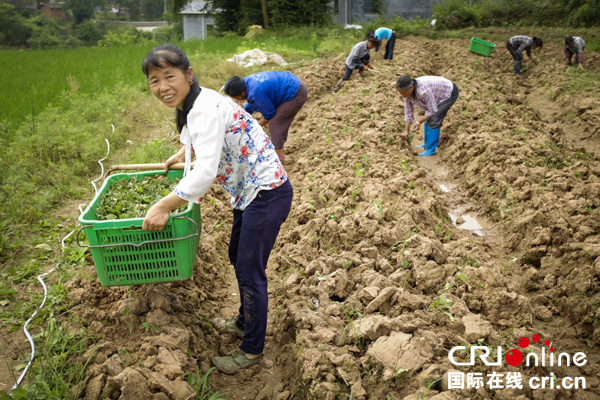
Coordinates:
<point>538,41</point>
<point>370,34</point>
<point>373,40</point>
<point>169,55</point>
<point>234,86</point>
<point>404,81</point>
<point>569,39</point>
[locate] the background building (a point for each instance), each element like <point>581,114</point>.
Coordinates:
<point>197,21</point>
<point>52,9</point>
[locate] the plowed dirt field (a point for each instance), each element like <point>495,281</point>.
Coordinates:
<point>388,260</point>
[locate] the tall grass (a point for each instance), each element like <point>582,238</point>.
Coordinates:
<point>35,79</point>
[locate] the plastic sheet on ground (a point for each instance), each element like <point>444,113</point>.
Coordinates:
<point>348,26</point>
<point>257,57</point>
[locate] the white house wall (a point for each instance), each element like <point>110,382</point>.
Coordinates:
<point>195,26</point>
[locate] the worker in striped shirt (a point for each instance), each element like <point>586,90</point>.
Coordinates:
<point>516,45</point>
<point>574,45</point>
<point>433,94</point>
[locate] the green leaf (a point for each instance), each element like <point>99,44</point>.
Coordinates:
<point>450,316</point>
<point>444,302</point>
<point>400,371</point>
<point>20,367</point>
<point>19,393</point>
<point>44,247</point>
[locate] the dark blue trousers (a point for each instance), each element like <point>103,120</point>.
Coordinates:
<point>389,47</point>
<point>253,236</point>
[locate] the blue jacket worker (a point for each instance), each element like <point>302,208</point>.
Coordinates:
<point>390,36</point>
<point>358,59</point>
<point>278,96</point>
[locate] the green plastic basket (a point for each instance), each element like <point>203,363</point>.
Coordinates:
<point>125,254</point>
<point>481,47</point>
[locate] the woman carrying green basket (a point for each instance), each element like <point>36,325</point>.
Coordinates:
<point>231,148</point>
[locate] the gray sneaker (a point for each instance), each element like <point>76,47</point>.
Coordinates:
<point>229,326</point>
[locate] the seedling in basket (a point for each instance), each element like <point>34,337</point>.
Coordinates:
<point>120,248</point>
<point>132,198</point>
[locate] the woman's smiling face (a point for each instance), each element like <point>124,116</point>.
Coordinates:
<point>170,85</point>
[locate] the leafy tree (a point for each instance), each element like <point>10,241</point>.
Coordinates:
<point>251,14</point>
<point>133,6</point>
<point>300,13</point>
<point>89,33</point>
<point>228,19</point>
<point>166,34</point>
<point>82,9</point>
<point>460,13</point>
<point>47,33</point>
<point>153,8</point>
<point>14,29</point>
<point>174,7</point>
<point>584,12</point>
<point>237,15</point>
<point>129,36</point>
<point>21,5</point>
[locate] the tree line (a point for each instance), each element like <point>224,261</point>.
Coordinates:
<point>454,14</point>
<point>21,26</point>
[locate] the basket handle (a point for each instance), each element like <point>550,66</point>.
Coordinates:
<point>134,244</point>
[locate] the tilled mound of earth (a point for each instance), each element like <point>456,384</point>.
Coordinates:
<point>371,283</point>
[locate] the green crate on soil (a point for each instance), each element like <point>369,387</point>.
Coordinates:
<point>481,47</point>
<point>152,262</point>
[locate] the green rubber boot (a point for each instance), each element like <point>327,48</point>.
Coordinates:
<point>233,362</point>
<point>229,326</point>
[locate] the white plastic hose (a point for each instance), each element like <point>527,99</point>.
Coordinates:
<point>39,277</point>
<point>31,342</point>
<point>100,162</point>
